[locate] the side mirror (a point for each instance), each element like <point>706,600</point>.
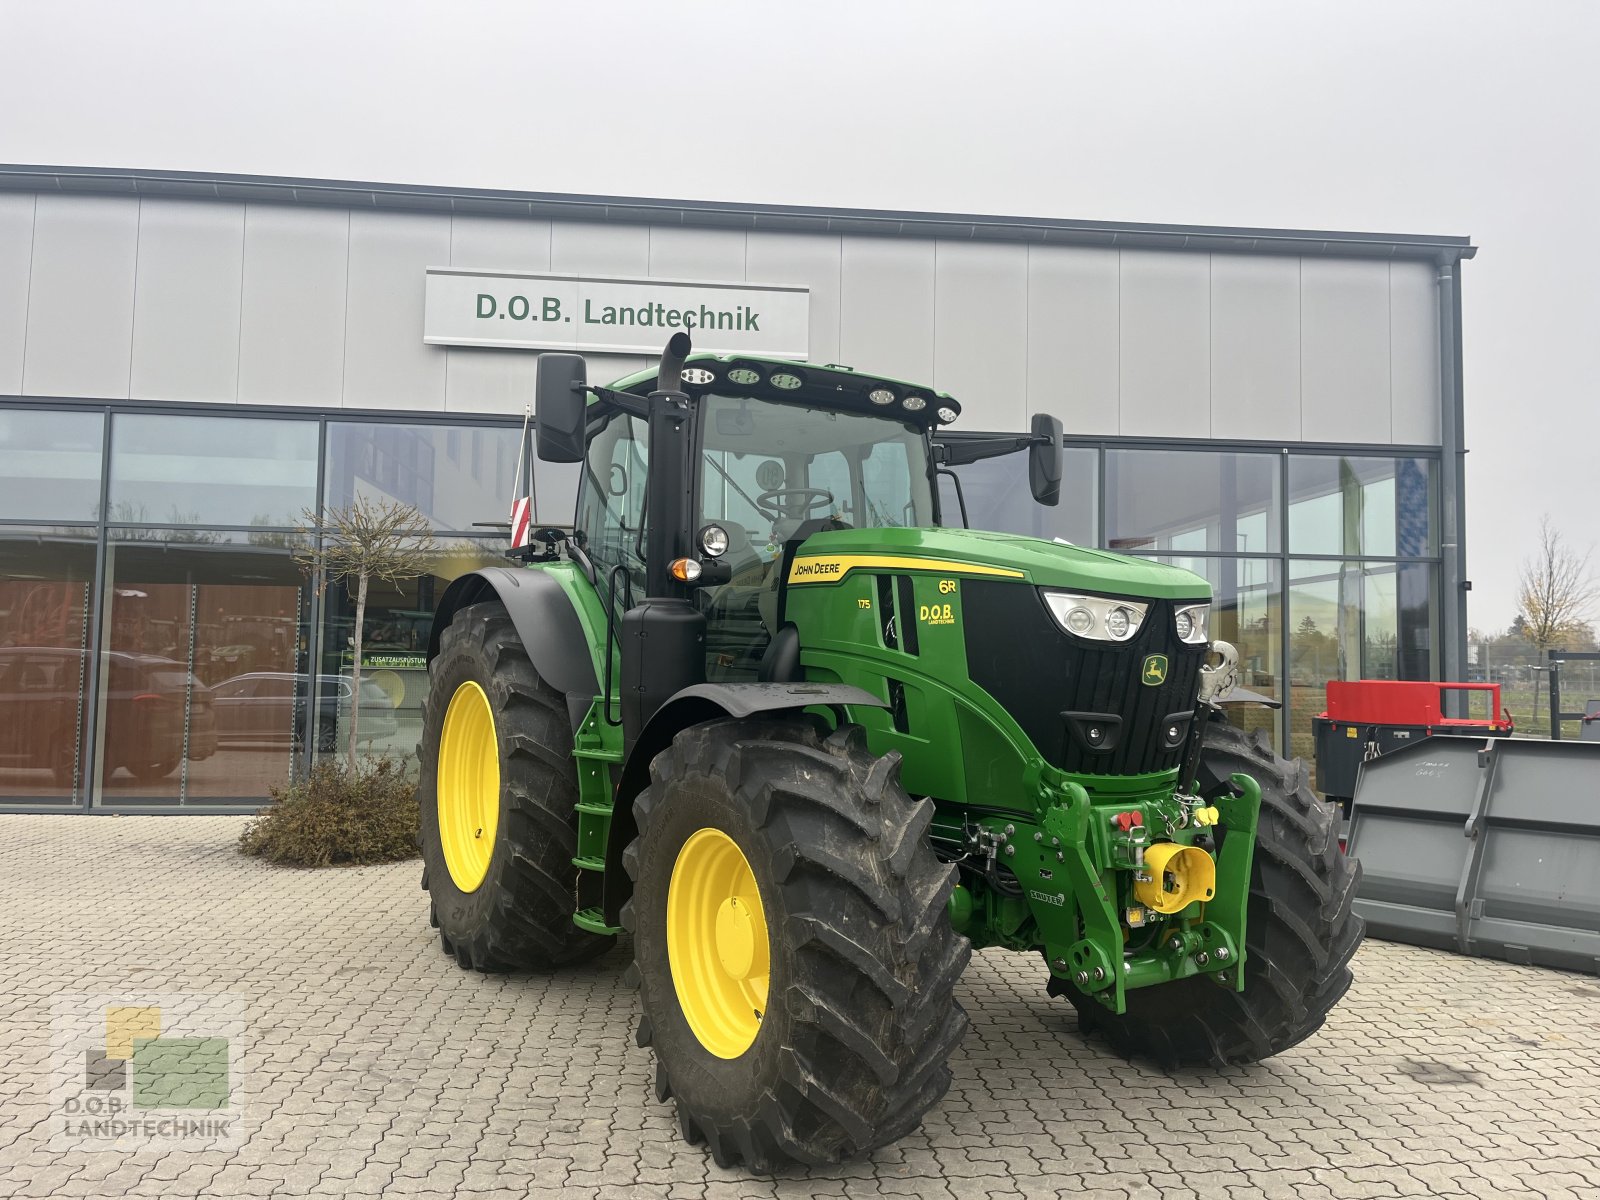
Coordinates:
<point>559,406</point>
<point>1044,460</point>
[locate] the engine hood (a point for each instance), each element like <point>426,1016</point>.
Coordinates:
<point>828,557</point>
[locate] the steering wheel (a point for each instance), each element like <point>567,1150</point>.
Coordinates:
<point>773,502</point>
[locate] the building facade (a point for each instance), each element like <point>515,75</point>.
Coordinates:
<point>190,364</point>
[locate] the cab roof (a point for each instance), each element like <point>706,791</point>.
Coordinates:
<point>825,385</point>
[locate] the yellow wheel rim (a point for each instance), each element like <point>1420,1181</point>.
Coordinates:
<point>469,786</point>
<point>717,943</point>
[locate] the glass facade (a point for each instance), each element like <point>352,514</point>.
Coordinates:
<point>1324,566</point>
<point>159,646</point>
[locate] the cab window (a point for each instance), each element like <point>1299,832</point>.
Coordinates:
<point>610,518</point>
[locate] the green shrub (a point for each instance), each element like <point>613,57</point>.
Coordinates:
<point>338,817</point>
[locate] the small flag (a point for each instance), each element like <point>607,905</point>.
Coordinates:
<point>521,523</point>
<point>522,491</point>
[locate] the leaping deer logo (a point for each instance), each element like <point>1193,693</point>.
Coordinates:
<point>1155,670</point>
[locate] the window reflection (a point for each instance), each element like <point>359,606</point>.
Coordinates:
<point>1378,507</point>
<point>457,477</point>
<point>394,653</point>
<point>46,612</point>
<point>1172,501</point>
<point>183,470</point>
<point>52,464</point>
<point>203,675</point>
<point>997,497</point>
<point>1352,620</point>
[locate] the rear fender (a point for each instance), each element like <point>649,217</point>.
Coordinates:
<point>545,620</point>
<point>694,705</point>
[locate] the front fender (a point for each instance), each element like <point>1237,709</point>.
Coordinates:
<point>545,620</point>
<point>694,705</point>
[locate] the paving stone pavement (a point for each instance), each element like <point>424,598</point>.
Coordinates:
<point>372,1066</point>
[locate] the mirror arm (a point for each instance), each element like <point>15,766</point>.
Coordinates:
<point>634,406</point>
<point>958,452</point>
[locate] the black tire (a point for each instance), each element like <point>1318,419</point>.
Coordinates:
<point>520,916</point>
<point>1300,932</point>
<point>153,772</point>
<point>861,1014</point>
<point>327,735</point>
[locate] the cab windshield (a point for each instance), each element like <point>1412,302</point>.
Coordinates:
<point>770,472</point>
<point>768,468</point>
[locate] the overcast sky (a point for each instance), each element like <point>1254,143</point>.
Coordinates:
<point>1423,117</point>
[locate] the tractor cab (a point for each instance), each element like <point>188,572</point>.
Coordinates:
<point>765,453</point>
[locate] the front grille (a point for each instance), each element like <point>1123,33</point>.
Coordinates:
<point>1039,673</point>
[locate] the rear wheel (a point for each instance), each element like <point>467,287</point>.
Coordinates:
<point>1300,932</point>
<point>794,959</point>
<point>153,770</point>
<point>497,799</point>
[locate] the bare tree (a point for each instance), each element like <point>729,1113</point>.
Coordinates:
<point>383,540</point>
<point>1555,594</point>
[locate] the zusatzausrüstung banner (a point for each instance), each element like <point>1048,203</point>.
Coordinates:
<point>617,316</point>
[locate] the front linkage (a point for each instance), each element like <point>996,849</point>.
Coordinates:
<point>1122,889</point>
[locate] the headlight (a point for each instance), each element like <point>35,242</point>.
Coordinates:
<point>1099,618</point>
<point>714,540</point>
<point>1191,623</point>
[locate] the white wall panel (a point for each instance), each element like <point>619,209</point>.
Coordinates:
<point>980,347</point>
<point>606,369</point>
<point>386,362</point>
<point>498,244</point>
<point>886,307</point>
<point>589,249</point>
<point>804,260</point>
<point>16,264</point>
<point>291,345</point>
<point>186,303</point>
<point>80,299</point>
<point>489,381</point>
<point>1414,351</point>
<point>1255,347</point>
<point>1074,352</point>
<point>1344,350</point>
<point>716,255</point>
<point>1166,344</point>
<point>493,381</point>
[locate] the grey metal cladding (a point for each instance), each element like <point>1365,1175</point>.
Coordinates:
<point>386,362</point>
<point>980,331</point>
<point>80,299</point>
<point>1344,314</point>
<point>1074,349</point>
<point>811,261</point>
<point>1414,351</point>
<point>1255,347</point>
<point>1166,345</point>
<point>186,306</point>
<point>887,302</point>
<point>747,216</point>
<point>291,349</point>
<point>16,264</point>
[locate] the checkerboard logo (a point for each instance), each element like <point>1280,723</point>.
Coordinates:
<point>145,1071</point>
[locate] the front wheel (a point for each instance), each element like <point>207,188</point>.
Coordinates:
<point>795,963</point>
<point>497,803</point>
<point>1300,932</point>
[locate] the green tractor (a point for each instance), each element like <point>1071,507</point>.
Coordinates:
<point>763,710</point>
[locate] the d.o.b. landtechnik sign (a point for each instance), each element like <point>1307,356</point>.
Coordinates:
<point>613,316</point>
